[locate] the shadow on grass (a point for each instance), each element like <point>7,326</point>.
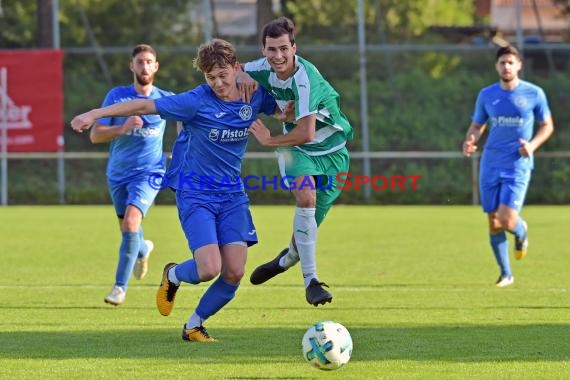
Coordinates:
<point>443,343</point>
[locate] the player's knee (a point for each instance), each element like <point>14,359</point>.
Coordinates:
<point>306,199</point>
<point>209,272</point>
<point>505,221</point>
<point>233,276</point>
<point>129,225</point>
<point>495,225</point>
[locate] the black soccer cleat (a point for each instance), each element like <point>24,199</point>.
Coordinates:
<point>315,293</point>
<point>267,271</point>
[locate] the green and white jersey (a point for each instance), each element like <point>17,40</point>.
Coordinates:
<point>312,95</point>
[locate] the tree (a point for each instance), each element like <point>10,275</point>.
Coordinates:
<point>401,19</point>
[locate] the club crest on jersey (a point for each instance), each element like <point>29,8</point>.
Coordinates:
<point>214,134</point>
<point>520,101</point>
<point>245,112</point>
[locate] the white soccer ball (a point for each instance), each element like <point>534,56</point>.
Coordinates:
<point>327,345</point>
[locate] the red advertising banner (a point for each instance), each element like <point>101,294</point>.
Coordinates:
<point>34,103</point>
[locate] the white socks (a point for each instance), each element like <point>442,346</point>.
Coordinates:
<point>172,276</point>
<point>194,321</point>
<point>305,233</point>
<point>291,258</point>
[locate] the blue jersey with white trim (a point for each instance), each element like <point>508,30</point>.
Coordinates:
<point>208,153</point>
<point>510,115</point>
<point>140,151</point>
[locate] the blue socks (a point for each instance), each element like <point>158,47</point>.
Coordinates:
<point>500,247</point>
<point>187,272</point>
<point>519,230</point>
<point>216,297</point>
<point>143,249</point>
<point>128,252</point>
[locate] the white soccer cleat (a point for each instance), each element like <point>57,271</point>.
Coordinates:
<point>504,281</point>
<point>116,296</point>
<point>141,265</point>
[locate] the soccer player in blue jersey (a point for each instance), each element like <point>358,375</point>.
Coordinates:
<point>212,205</point>
<point>509,109</point>
<point>135,153</point>
<point>312,150</point>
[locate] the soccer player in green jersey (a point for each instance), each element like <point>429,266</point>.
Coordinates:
<point>312,152</point>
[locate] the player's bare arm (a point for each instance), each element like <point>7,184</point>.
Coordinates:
<point>545,130</point>
<point>473,134</point>
<point>135,107</point>
<point>101,133</point>
<point>301,134</point>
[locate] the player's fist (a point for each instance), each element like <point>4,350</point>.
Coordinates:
<point>469,146</point>
<point>132,122</point>
<point>260,131</point>
<point>82,122</point>
<point>526,149</point>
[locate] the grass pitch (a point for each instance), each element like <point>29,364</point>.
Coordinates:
<point>414,286</point>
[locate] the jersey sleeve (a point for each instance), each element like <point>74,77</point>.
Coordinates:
<point>256,69</point>
<point>480,114</point>
<point>541,110</point>
<point>268,103</point>
<point>180,107</point>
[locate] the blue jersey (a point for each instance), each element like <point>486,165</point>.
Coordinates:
<point>140,151</point>
<point>510,115</point>
<point>208,153</point>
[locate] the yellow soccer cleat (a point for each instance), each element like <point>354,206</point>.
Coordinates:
<point>197,334</point>
<point>166,292</point>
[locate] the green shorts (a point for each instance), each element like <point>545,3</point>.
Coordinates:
<point>326,170</point>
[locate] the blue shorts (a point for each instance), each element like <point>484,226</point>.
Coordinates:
<point>503,186</point>
<point>136,192</point>
<point>220,218</point>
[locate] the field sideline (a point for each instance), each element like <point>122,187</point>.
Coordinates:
<point>413,284</point>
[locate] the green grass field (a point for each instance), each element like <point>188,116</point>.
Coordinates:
<point>414,286</point>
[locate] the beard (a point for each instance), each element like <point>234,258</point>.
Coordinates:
<point>144,81</point>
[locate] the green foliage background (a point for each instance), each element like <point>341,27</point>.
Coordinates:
<point>420,91</point>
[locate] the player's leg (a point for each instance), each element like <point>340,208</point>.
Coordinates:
<point>236,232</point>
<point>198,219</point>
<point>305,231</point>
<point>219,293</point>
<point>489,190</point>
<point>141,195</point>
<point>130,218</point>
<point>512,198</point>
<point>290,164</point>
<point>130,244</point>
<point>500,247</point>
